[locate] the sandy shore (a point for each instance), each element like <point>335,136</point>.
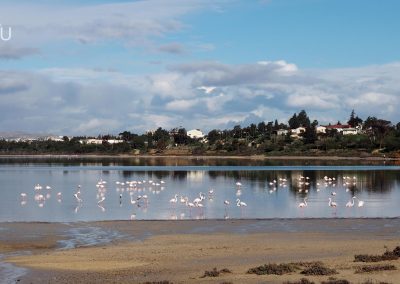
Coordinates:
<point>181,251</point>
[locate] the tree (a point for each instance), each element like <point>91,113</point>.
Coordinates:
<point>303,119</point>
<point>377,129</point>
<point>261,127</point>
<point>161,137</point>
<point>126,136</point>
<point>276,125</point>
<point>354,120</point>
<point>213,136</point>
<point>294,122</point>
<point>180,136</point>
<point>310,135</point>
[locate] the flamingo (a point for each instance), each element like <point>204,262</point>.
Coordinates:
<point>333,193</point>
<point>226,202</point>
<point>101,200</point>
<point>23,195</point>
<point>199,199</point>
<point>332,203</point>
<point>360,203</point>
<point>77,198</point>
<point>351,202</point>
<point>238,184</point>
<point>240,203</point>
<point>303,204</point>
<point>174,200</point>
<point>132,200</point>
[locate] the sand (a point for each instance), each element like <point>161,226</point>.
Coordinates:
<point>181,251</point>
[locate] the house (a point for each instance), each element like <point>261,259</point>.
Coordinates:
<point>91,141</point>
<point>344,129</point>
<point>350,131</point>
<point>100,141</point>
<point>282,132</point>
<point>321,129</point>
<point>115,141</point>
<point>195,134</point>
<point>297,132</point>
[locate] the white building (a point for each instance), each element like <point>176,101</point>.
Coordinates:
<point>91,141</point>
<point>281,132</point>
<point>100,141</point>
<point>321,129</point>
<point>115,141</point>
<point>296,133</point>
<point>350,131</point>
<point>195,134</point>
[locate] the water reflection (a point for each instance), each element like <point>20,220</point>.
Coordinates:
<point>180,161</point>
<point>67,193</point>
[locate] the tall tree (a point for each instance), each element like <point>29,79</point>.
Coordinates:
<point>377,129</point>
<point>294,122</point>
<point>354,120</point>
<point>303,118</point>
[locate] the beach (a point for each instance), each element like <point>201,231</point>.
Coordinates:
<point>181,251</point>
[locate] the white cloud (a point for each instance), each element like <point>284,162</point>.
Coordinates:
<point>99,125</point>
<point>63,100</point>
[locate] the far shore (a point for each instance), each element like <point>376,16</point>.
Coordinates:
<point>253,157</point>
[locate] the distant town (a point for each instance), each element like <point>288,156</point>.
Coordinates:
<point>300,136</point>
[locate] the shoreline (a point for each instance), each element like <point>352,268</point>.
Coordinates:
<point>180,251</point>
<point>253,157</point>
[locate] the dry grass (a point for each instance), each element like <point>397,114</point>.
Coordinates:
<point>318,269</point>
<point>374,268</point>
<point>388,255</point>
<point>336,281</point>
<point>215,272</point>
<point>273,268</point>
<point>375,258</point>
<point>301,281</point>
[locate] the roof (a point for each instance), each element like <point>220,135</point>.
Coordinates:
<point>335,126</point>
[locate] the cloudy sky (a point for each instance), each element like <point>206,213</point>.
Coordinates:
<point>102,66</point>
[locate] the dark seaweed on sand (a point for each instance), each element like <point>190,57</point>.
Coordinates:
<point>273,268</point>
<point>373,268</point>
<point>318,269</point>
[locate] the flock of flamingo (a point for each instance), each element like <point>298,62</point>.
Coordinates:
<point>137,197</point>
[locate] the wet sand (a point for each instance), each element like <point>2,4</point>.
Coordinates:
<point>180,251</point>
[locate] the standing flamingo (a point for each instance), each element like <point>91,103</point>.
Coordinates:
<point>303,204</point>
<point>240,203</point>
<point>332,203</point>
<point>351,202</point>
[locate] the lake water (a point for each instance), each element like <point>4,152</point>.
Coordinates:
<point>376,184</point>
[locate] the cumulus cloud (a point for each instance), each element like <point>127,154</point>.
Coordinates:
<point>93,101</point>
<point>134,22</point>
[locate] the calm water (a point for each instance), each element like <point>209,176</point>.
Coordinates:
<point>378,185</point>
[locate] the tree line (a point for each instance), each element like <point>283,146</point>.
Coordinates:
<point>377,136</point>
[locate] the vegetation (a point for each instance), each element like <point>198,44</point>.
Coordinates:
<point>373,268</point>
<point>318,269</point>
<point>273,268</point>
<point>376,136</point>
<point>215,272</point>
<point>301,281</point>
<point>387,255</point>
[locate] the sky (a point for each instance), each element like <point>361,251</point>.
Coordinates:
<point>101,66</point>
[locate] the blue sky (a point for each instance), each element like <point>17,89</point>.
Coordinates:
<point>107,66</point>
